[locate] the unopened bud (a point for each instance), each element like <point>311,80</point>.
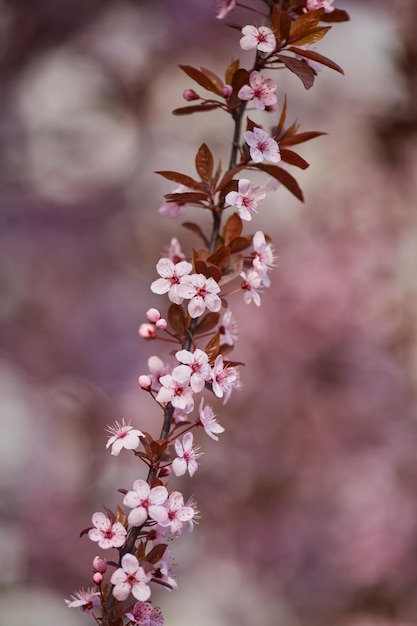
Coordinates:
<point>145,382</point>
<point>98,578</point>
<point>153,315</point>
<point>190,94</point>
<point>227,91</point>
<point>99,564</point>
<point>161,324</point>
<point>147,331</point>
<point>271,107</point>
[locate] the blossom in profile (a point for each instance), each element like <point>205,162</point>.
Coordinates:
<point>172,275</point>
<point>262,146</point>
<point>263,257</point>
<point>122,435</point>
<point>107,534</point>
<point>208,421</point>
<point>177,513</point>
<point>224,7</point>
<point>262,38</point>
<point>229,328</point>
<point>186,456</point>
<point>84,599</point>
<point>252,282</point>
<point>313,5</point>
<point>174,252</point>
<point>144,614</point>
<point>130,578</point>
<point>145,502</point>
<point>246,198</point>
<point>261,90</point>
<point>223,379</point>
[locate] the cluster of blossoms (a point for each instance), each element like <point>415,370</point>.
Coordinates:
<point>199,325</point>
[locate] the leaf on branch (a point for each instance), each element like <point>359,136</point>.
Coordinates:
<point>231,71</point>
<point>240,78</point>
<point>181,179</point>
<point>288,156</point>
<point>234,268</point>
<point>196,108</point>
<point>195,228</point>
<point>212,348</point>
<point>176,318</point>
<point>232,229</point>
<point>292,140</point>
<point>300,69</point>
<point>204,164</point>
<point>312,37</point>
<point>282,118</point>
<point>304,24</point>
<point>315,56</point>
<point>155,555</point>
<point>206,323</point>
<point>204,78</point>
<point>120,515</point>
<point>284,178</point>
<point>228,176</point>
<point>219,256</point>
<point>238,244</point>
<point>338,15</point>
<point>281,24</point>
<point>187,197</point>
<point>209,271</point>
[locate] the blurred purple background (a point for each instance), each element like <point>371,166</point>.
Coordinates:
<point>309,500</point>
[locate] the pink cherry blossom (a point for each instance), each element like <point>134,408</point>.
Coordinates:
<point>312,5</point>
<point>173,251</point>
<point>195,366</point>
<point>262,38</point>
<point>263,257</point>
<point>246,198</point>
<point>107,535</point>
<point>99,564</point>
<point>84,599</point>
<point>145,502</point>
<point>171,278</point>
<point>224,7</point>
<point>177,513</point>
<point>174,209</point>
<point>157,369</point>
<point>261,90</point>
<point>262,146</point>
<point>176,389</point>
<point>186,456</point>
<point>122,435</point>
<point>130,578</point>
<point>144,614</point>
<point>208,421</point>
<point>228,328</point>
<point>223,379</point>
<point>191,502</point>
<point>147,331</point>
<point>202,293</point>
<point>162,574</point>
<point>252,282</point>
<point>153,315</point>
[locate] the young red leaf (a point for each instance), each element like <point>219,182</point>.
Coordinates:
<point>155,555</point>
<point>238,244</point>
<point>202,78</point>
<point>292,140</point>
<point>204,164</point>
<point>300,69</point>
<point>305,24</point>
<point>212,348</point>
<point>209,271</point>
<point>231,71</point>
<point>181,179</point>
<point>284,178</point>
<point>232,229</point>
<point>288,156</point>
<point>315,56</point>
<point>176,318</point>
<point>338,15</point>
<point>219,256</point>
<point>196,108</point>
<point>281,24</point>
<point>216,82</point>
<point>207,323</point>
<point>311,37</point>
<point>188,197</point>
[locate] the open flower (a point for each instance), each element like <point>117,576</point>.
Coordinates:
<point>122,435</point>
<point>262,146</point>
<point>130,578</point>
<point>246,198</point>
<point>312,5</point>
<point>223,379</point>
<point>176,389</point>
<point>252,282</point>
<point>186,456</point>
<point>107,535</point>
<point>208,421</point>
<point>171,278</point>
<point>145,502</point>
<point>144,614</point>
<point>202,293</point>
<point>195,367</point>
<point>177,513</point>
<point>261,90</point>
<point>263,257</point>
<point>84,599</point>
<point>262,38</point>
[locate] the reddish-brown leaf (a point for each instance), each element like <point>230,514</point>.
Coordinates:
<point>219,256</point>
<point>196,108</point>
<point>212,348</point>
<point>209,271</point>
<point>232,229</point>
<point>300,69</point>
<point>155,555</point>
<point>207,323</point>
<point>284,178</point>
<point>203,78</point>
<point>240,78</point>
<point>187,197</point>
<point>311,37</point>
<point>238,244</point>
<point>288,156</point>
<point>176,318</point>
<point>282,118</point>
<point>281,24</point>
<point>181,179</point>
<point>216,82</point>
<point>204,164</point>
<point>231,71</point>
<point>292,140</point>
<point>305,24</point>
<point>315,56</point>
<point>228,176</point>
<point>195,228</point>
<point>338,15</point>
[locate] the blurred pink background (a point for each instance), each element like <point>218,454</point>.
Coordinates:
<point>308,502</point>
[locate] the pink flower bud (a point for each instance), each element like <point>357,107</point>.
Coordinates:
<point>227,91</point>
<point>161,324</point>
<point>147,331</point>
<point>190,94</point>
<point>153,315</point>
<point>99,564</point>
<point>271,107</point>
<point>145,382</point>
<point>163,472</point>
<point>98,578</point>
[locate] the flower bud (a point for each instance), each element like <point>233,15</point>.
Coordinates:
<point>271,107</point>
<point>227,91</point>
<point>161,324</point>
<point>153,315</point>
<point>99,564</point>
<point>147,331</point>
<point>145,382</point>
<point>190,94</point>
<point>98,578</point>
